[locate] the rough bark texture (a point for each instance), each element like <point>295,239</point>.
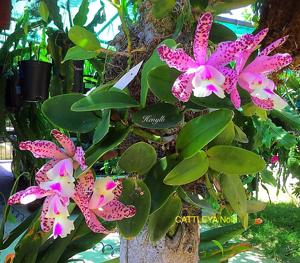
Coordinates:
<point>147,33</point>
<point>183,247</point>
<point>282,18</point>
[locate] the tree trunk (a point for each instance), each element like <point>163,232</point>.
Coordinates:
<point>182,247</point>
<point>146,34</point>
<point>282,18</point>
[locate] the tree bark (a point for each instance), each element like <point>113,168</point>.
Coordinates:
<point>146,34</point>
<point>282,18</point>
<point>182,247</point>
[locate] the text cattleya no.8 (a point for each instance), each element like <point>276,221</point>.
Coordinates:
<point>55,182</point>
<point>205,75</point>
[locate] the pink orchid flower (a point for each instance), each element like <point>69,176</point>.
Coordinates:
<point>49,150</point>
<point>202,76</point>
<point>275,159</point>
<point>57,185</point>
<point>253,77</point>
<point>100,198</point>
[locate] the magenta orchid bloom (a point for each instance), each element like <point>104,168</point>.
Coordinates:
<point>275,159</point>
<point>100,198</point>
<point>57,185</point>
<point>49,150</point>
<point>253,77</point>
<point>202,76</point>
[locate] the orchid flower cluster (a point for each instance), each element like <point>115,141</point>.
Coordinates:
<point>55,182</point>
<point>205,75</point>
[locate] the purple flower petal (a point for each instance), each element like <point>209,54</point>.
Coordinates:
<point>201,37</point>
<point>182,87</point>
<point>46,223</point>
<point>115,210</point>
<point>65,142</point>
<point>273,46</point>
<point>176,58</point>
<point>43,149</point>
<point>269,64</point>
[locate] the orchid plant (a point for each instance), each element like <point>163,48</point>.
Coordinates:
<point>205,75</point>
<point>56,182</point>
<point>177,148</point>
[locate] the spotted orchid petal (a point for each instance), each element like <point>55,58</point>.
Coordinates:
<point>102,193</point>
<point>85,184</point>
<point>264,104</point>
<point>43,149</point>
<point>118,190</point>
<point>64,141</point>
<point>229,51</point>
<point>201,37</point>
<point>41,176</point>
<point>27,196</point>
<point>182,87</point>
<point>79,158</point>
<point>115,210</point>
<point>255,41</point>
<point>90,218</point>
<point>176,58</point>
<point>235,98</point>
<point>273,46</point>
<point>230,79</point>
<point>46,223</point>
<point>269,64</point>
<point>62,226</point>
<point>230,86</point>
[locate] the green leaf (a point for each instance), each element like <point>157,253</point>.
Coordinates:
<point>154,180</point>
<point>83,240</point>
<point>188,170</point>
<point>161,80</point>
<point>43,10</point>
<point>54,13</point>
<point>226,6</point>
<point>102,127</point>
<point>229,252</point>
<point>153,62</point>
<point>81,17</point>
<point>200,131</point>
<point>104,100</point>
<point>291,118</point>
<point>222,234</point>
<point>114,260</point>
<point>57,248</point>
<point>162,219</point>
<point>250,109</point>
<point>130,160</point>
<point>161,8</point>
<point>234,193</point>
<point>212,101</point>
<point>240,136</point>
<point>233,160</point>
<point>254,206</point>
<point>84,38</point>
<point>225,137</point>
<point>77,53</point>
<point>158,116</point>
<point>114,137</point>
<point>220,33</point>
<point>58,111</point>
<point>194,200</point>
<point>268,178</point>
<point>136,193</point>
